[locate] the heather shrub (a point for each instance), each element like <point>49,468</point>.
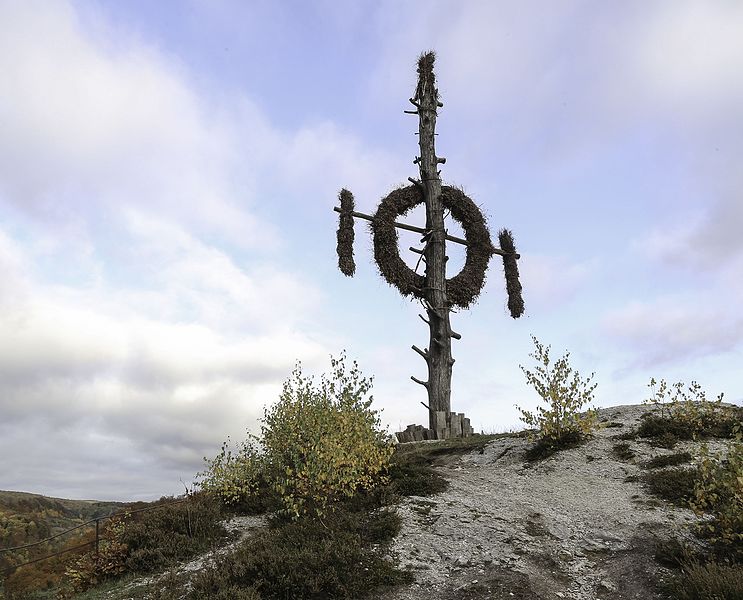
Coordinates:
<point>685,413</point>
<point>560,423</point>
<point>147,541</point>
<point>341,555</point>
<point>158,538</point>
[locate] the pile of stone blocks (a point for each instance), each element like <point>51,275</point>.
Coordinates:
<point>445,426</point>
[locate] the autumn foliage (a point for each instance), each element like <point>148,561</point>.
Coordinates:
<point>319,444</point>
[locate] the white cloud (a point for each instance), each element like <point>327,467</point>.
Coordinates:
<point>552,281</point>
<point>168,391</point>
<point>707,241</point>
<point>675,328</point>
<point>689,54</point>
<point>86,129</point>
<point>129,332</point>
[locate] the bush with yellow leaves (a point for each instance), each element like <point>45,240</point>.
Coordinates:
<point>719,492</point>
<point>318,445</point>
<point>565,392</point>
<point>686,412</point>
<point>233,476</point>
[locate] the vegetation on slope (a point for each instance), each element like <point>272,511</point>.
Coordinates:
<point>329,536</point>
<point>27,519</point>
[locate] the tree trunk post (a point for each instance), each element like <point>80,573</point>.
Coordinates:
<point>439,357</point>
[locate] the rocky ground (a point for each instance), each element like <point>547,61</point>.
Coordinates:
<point>570,526</point>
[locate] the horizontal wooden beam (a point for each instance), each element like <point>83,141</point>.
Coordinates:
<point>420,230</point>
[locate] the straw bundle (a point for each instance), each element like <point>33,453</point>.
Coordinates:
<point>513,286</point>
<point>346,234</point>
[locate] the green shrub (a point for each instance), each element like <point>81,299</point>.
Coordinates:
<point>319,444</point>
<point>340,556</point>
<point>323,444</point>
<point>674,485</point>
<point>235,478</point>
<point>719,491</point>
<point>686,413</point>
<point>668,460</point>
<point>565,393</point>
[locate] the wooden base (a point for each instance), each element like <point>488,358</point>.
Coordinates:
<point>451,425</point>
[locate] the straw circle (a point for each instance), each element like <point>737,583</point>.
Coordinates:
<point>463,288</point>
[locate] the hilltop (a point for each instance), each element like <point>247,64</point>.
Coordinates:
<point>605,519</point>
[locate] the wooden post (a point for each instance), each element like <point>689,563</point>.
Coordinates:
<point>456,424</point>
<point>431,290</point>
<point>439,357</point>
<point>97,538</point>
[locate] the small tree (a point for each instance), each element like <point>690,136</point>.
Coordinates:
<point>564,395</point>
<point>318,445</point>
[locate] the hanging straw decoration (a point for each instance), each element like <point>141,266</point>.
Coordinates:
<point>513,286</point>
<point>346,234</point>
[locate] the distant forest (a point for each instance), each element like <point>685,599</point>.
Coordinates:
<point>27,518</point>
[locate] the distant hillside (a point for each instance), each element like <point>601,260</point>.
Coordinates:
<point>26,518</point>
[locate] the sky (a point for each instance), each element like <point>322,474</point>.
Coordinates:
<point>168,172</point>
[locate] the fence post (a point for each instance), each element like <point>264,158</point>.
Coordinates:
<point>97,537</point>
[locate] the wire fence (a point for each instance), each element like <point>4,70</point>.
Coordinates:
<point>122,513</point>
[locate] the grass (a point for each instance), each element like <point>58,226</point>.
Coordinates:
<point>668,460</point>
<point>430,451</point>
<point>674,485</point>
<point>707,581</point>
<point>411,469</point>
<point>623,451</point>
<point>546,447</point>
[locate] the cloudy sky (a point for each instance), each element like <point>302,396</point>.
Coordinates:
<point>167,240</point>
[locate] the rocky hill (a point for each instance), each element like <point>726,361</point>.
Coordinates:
<point>581,524</point>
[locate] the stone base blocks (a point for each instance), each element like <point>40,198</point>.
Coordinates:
<point>445,426</point>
